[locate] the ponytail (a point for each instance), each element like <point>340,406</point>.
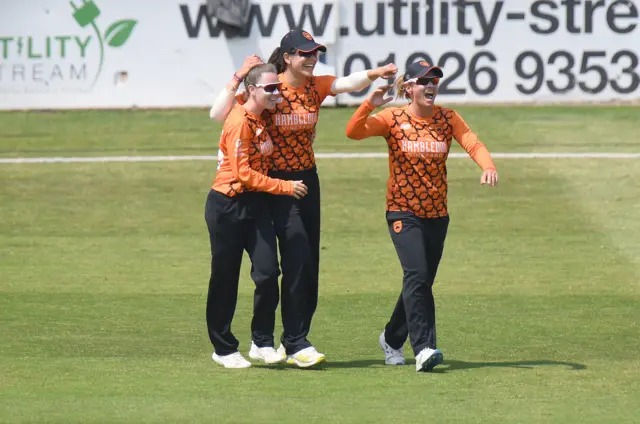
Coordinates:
<point>277,59</point>
<point>399,86</point>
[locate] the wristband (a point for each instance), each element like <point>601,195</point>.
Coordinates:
<point>236,77</point>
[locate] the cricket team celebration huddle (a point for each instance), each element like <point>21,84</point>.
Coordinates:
<point>265,198</point>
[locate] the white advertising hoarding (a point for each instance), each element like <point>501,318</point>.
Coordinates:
<point>500,50</point>
<point>171,53</point>
<point>121,53</point>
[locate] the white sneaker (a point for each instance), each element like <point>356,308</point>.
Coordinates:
<point>391,356</point>
<point>427,359</point>
<point>282,351</point>
<point>267,354</point>
<point>306,357</point>
<point>233,360</point>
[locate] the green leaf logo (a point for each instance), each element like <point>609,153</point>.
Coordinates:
<point>119,32</point>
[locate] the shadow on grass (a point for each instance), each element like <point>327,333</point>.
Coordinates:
<point>287,367</point>
<point>364,363</point>
<point>454,365</point>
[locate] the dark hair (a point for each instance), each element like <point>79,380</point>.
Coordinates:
<point>277,59</point>
<point>256,72</point>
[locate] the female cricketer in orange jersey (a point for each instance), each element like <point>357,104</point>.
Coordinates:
<point>292,126</point>
<point>419,138</point>
<point>238,219</point>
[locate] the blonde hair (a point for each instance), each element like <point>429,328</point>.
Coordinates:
<point>400,87</point>
<point>256,72</point>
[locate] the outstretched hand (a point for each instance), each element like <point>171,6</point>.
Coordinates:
<point>386,71</point>
<point>377,96</point>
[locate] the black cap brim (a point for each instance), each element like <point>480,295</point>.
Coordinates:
<point>311,46</point>
<point>438,72</point>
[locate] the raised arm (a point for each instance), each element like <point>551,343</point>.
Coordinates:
<point>224,101</point>
<point>223,104</point>
<point>361,125</point>
<point>356,81</point>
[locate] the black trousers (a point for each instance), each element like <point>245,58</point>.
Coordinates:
<point>236,224</point>
<point>419,243</point>
<point>297,224</point>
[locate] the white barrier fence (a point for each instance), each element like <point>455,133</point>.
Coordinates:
<point>171,53</point>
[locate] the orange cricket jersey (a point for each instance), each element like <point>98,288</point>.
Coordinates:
<point>418,150</point>
<point>243,155</point>
<point>292,124</point>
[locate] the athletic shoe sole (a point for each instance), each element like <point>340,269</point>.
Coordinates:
<point>432,361</point>
<point>259,357</point>
<point>293,361</point>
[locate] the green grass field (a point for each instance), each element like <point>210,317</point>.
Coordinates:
<point>104,270</point>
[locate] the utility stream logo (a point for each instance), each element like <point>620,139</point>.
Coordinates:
<point>61,60</point>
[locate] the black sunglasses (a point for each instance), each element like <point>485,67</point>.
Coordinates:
<point>427,80</point>
<point>312,53</point>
